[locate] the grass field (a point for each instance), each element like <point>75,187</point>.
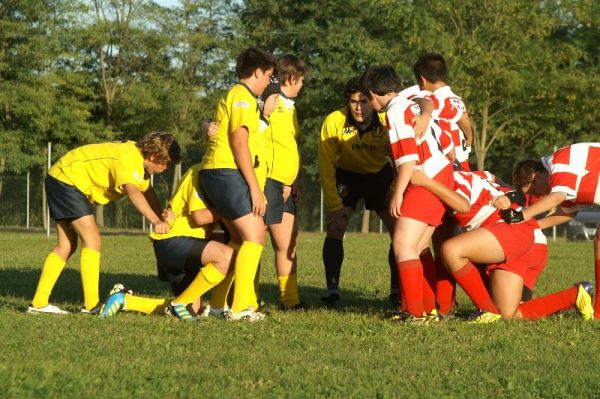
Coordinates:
<point>353,352</point>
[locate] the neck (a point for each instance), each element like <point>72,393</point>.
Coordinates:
<point>286,91</point>
<point>250,83</point>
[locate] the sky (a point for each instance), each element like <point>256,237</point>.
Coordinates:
<point>167,3</point>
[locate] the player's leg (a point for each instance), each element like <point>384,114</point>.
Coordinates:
<point>460,252</point>
<point>444,282</point>
<point>284,237</point>
<point>407,237</point>
<point>389,222</point>
<point>597,271</point>
<point>53,266</point>
<point>429,271</point>
<point>333,251</point>
<point>506,289</point>
<point>87,230</point>
<point>222,294</point>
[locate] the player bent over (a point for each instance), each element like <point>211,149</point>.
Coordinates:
<point>186,257</point>
<point>98,174</point>
<point>417,211</point>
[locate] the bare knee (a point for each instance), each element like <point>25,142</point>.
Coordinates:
<point>222,261</point>
<point>451,256</point>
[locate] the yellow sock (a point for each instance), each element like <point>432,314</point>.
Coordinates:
<point>246,264</point>
<point>256,297</point>
<point>90,277</point>
<point>144,305</point>
<point>207,278</point>
<point>218,300</point>
<point>288,290</point>
<point>53,266</point>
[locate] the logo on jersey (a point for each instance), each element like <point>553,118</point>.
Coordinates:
<point>458,104</point>
<point>348,130</point>
<point>378,132</point>
<point>137,176</point>
<point>363,146</point>
<point>241,104</point>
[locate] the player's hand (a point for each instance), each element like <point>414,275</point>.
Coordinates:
<point>259,205</point>
<point>418,178</point>
<point>161,227</point>
<point>501,202</point>
<point>287,191</point>
<point>210,128</point>
<point>516,197</point>
<point>512,215</point>
<point>337,221</point>
<point>395,205</point>
<point>420,124</point>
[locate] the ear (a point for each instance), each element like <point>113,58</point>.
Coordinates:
<point>258,73</point>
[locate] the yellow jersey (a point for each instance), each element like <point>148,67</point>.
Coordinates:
<point>99,171</point>
<point>283,158</point>
<point>344,145</point>
<point>237,109</point>
<point>186,199</point>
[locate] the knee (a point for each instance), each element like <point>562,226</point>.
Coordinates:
<point>450,252</point>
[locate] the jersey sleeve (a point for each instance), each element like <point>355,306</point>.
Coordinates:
<point>453,109</point>
<point>401,134</point>
<point>129,170</point>
<point>563,180</point>
<point>328,149</point>
<point>242,112</point>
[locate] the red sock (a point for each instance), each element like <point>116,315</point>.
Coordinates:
<point>469,279</point>
<point>597,302</point>
<point>445,288</point>
<point>541,307</point>
<point>429,276</point>
<point>411,281</point>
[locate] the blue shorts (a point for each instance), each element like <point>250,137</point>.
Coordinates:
<point>275,204</point>
<point>65,201</point>
<point>227,191</point>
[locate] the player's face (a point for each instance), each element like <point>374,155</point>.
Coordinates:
<point>153,167</point>
<point>359,107</point>
<point>263,78</point>
<point>270,104</point>
<point>540,185</point>
<point>294,87</point>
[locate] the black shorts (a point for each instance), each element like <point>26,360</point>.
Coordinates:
<point>66,201</point>
<point>275,204</point>
<point>226,191</point>
<point>373,188</point>
<point>178,260</point>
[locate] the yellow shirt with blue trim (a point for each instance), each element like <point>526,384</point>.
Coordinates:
<point>343,145</point>
<point>237,109</point>
<point>283,158</point>
<point>100,171</point>
<point>186,199</point>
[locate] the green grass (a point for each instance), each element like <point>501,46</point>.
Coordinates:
<point>350,353</point>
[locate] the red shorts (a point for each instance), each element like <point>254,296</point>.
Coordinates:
<point>420,204</point>
<point>515,239</point>
<point>529,266</point>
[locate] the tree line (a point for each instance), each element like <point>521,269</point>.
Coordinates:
<point>80,71</point>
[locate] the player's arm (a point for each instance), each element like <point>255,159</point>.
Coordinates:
<point>405,171</point>
<point>547,203</point>
<point>241,153</point>
<point>421,122</point>
<point>449,197</point>
<point>464,123</point>
<point>327,154</point>
<point>144,207</point>
<point>555,219</point>
<point>205,216</point>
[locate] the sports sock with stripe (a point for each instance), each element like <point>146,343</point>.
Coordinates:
<point>541,307</point>
<point>411,282</point>
<point>246,265</point>
<point>90,276</point>
<point>469,279</point>
<point>53,266</point>
<point>429,278</point>
<point>288,290</point>
<point>333,256</point>
<point>208,277</point>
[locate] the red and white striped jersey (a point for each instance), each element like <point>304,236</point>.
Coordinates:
<point>575,172</point>
<point>425,150</point>
<point>480,193</point>
<point>448,109</point>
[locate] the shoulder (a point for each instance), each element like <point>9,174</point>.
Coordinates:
<point>336,118</point>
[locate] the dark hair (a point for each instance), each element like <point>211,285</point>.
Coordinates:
<point>523,172</point>
<point>251,59</point>
<point>352,86</point>
<point>290,67</point>
<point>431,66</point>
<point>381,80</point>
<point>162,146</point>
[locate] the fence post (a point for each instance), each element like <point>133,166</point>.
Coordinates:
<point>48,209</point>
<point>27,213</point>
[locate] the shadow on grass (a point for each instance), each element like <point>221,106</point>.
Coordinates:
<point>20,284</point>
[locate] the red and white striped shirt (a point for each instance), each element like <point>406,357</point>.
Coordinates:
<point>425,150</point>
<point>480,193</point>
<point>575,172</point>
<point>448,109</point>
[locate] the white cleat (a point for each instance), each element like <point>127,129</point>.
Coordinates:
<point>48,309</point>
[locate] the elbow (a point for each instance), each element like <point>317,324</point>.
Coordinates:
<point>463,207</point>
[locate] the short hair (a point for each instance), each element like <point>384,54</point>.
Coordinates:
<point>381,80</point>
<point>431,66</point>
<point>290,67</point>
<point>523,172</point>
<point>251,59</point>
<point>162,146</point>
<point>352,87</point>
